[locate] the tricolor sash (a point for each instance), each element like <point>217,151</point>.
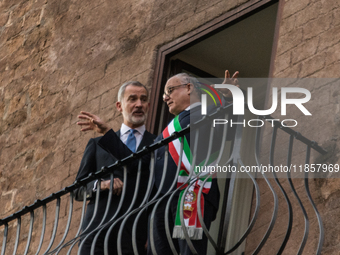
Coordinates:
<point>191,219</point>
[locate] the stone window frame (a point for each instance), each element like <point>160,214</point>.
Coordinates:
<point>162,67</point>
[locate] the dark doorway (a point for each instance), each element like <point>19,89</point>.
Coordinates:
<point>241,41</point>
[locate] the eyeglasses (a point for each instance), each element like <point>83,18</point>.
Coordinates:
<point>171,89</point>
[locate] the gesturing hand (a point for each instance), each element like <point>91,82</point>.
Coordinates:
<point>92,122</point>
<point>227,80</point>
<point>233,80</point>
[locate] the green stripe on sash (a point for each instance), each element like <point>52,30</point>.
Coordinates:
<point>186,146</point>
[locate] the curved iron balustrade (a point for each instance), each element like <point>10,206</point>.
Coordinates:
<point>218,245</point>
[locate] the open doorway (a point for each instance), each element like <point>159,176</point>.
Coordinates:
<point>242,42</point>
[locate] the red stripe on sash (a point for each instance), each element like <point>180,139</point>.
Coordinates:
<point>173,151</point>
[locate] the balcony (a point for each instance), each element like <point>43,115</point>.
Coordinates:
<point>53,225</point>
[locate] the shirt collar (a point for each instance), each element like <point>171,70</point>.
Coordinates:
<point>192,106</point>
<point>124,129</point>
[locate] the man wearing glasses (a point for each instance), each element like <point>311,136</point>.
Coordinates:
<point>182,96</point>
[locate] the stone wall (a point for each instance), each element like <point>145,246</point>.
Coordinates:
<point>58,57</point>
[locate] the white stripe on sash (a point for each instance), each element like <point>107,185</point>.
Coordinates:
<point>177,145</point>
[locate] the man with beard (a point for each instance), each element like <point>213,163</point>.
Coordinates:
<point>133,104</point>
<point>182,96</point>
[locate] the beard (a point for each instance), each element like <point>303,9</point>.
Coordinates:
<point>136,120</point>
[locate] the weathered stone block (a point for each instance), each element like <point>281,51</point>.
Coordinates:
<point>317,26</point>
<point>109,98</point>
<point>21,9</point>
<point>145,77</point>
<point>186,26</point>
<point>73,149</point>
<point>328,6</point>
<point>154,29</point>
<point>61,110</point>
<point>310,13</point>
<point>202,5</point>
<point>79,98</point>
<point>336,17</point>
<point>217,9</point>
<point>312,65</point>
<point>16,118</point>
<point>3,18</point>
<point>289,72</point>
<point>12,30</point>
<point>15,137</point>
<point>18,102</point>
<point>44,166</point>
<point>102,86</point>
<point>32,19</point>
<point>7,198</point>
<point>56,176</point>
<point>58,127</point>
<point>305,50</point>
<point>14,46</point>
<point>25,67</point>
<point>287,25</point>
<point>333,54</point>
<point>292,7</point>
<point>172,19</point>
<point>331,71</point>
<point>130,70</point>
<point>38,39</point>
<point>58,159</point>
<point>283,61</point>
<point>289,41</point>
<point>23,197</point>
<point>329,38</point>
<point>90,77</point>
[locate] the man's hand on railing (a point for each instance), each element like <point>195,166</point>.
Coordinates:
<point>117,186</point>
<point>93,122</point>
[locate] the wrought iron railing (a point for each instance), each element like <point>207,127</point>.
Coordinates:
<point>67,242</point>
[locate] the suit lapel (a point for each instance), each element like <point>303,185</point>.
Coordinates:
<point>145,140</point>
<point>118,133</point>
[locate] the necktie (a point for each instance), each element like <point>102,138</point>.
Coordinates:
<point>131,140</point>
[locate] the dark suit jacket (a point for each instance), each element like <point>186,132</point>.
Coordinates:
<point>96,156</point>
<point>184,118</point>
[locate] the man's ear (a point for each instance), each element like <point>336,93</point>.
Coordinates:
<point>119,106</point>
<point>190,88</point>
<point>147,108</point>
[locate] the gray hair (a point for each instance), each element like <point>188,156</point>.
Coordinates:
<point>186,78</point>
<point>122,88</point>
